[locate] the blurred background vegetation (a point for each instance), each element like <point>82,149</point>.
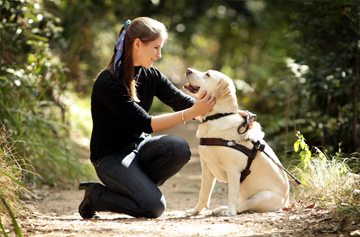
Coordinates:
<point>295,64</point>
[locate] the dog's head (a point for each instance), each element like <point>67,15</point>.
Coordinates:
<point>217,83</point>
<point>214,82</point>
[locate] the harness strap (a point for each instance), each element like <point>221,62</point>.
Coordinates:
<point>216,116</point>
<point>257,147</point>
<point>250,153</point>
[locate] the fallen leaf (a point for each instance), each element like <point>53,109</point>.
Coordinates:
<point>286,208</point>
<point>311,206</point>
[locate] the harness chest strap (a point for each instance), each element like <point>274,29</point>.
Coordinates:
<point>250,153</point>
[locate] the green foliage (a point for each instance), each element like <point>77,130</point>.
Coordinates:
<point>15,224</point>
<point>305,153</point>
<point>11,174</point>
<point>31,77</point>
<point>3,229</point>
<point>327,46</point>
<point>326,179</point>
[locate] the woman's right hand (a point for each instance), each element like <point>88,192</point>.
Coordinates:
<point>204,104</point>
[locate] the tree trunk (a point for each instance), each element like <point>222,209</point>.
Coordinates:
<point>354,85</point>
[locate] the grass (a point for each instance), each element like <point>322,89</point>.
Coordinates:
<point>328,181</point>
<point>12,187</point>
<point>14,222</point>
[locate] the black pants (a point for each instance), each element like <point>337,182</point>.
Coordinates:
<point>131,176</point>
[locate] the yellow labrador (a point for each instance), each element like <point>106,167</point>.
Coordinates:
<point>266,188</point>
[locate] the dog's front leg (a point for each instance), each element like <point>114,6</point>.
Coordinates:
<point>207,184</point>
<point>233,193</point>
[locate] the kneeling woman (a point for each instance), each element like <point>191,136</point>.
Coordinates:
<point>130,163</point>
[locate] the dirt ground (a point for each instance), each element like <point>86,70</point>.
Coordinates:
<point>57,213</point>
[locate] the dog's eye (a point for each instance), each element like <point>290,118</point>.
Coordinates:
<point>207,74</point>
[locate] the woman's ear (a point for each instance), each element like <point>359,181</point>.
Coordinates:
<point>136,44</point>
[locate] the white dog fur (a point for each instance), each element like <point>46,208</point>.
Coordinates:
<point>266,188</point>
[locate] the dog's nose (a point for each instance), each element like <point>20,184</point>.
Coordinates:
<point>188,71</point>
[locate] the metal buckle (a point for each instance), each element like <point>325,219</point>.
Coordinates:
<point>231,143</point>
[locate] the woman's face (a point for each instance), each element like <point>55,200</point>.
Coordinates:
<point>145,54</point>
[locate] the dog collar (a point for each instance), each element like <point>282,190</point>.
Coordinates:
<point>216,116</point>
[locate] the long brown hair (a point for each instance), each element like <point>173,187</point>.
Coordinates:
<point>146,29</point>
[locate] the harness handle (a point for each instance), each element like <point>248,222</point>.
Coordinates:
<point>247,123</point>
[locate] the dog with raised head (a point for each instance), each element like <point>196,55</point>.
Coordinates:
<point>266,188</point>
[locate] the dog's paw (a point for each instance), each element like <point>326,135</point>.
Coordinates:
<point>219,211</point>
<point>192,212</point>
<point>229,213</point>
<point>224,211</point>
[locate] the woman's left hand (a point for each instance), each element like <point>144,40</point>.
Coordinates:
<point>245,113</point>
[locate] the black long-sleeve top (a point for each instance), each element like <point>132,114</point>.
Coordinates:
<point>118,121</point>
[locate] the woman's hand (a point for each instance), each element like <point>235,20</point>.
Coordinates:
<point>203,105</point>
<point>245,113</point>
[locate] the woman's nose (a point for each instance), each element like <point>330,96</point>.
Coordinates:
<point>158,55</point>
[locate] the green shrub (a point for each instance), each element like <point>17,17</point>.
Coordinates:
<point>327,180</point>
<point>31,81</point>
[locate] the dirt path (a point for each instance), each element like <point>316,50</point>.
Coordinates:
<point>58,216</point>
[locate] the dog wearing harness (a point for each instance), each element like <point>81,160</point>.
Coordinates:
<point>250,153</point>
<point>232,153</point>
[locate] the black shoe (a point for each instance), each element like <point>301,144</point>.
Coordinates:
<point>85,209</point>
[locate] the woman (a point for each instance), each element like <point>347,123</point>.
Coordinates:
<point>129,162</point>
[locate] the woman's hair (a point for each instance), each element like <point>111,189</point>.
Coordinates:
<point>146,29</point>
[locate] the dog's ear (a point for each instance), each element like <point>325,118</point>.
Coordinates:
<point>222,88</point>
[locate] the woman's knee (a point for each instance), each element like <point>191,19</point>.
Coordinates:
<point>180,148</point>
<point>155,208</point>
